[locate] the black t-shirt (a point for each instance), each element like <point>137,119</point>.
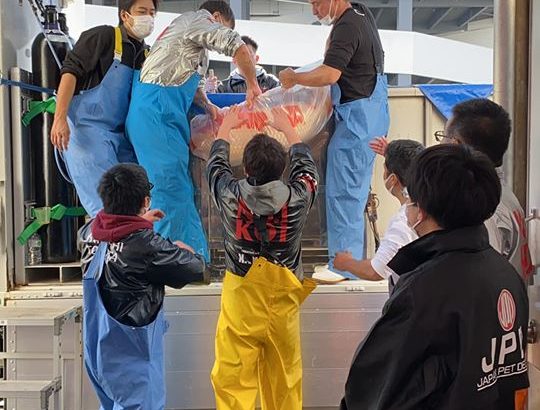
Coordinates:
<point>354,45</point>
<point>93,55</point>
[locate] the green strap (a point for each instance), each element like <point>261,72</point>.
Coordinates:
<point>44,216</point>
<point>39,107</point>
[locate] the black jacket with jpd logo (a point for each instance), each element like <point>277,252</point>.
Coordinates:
<point>453,334</point>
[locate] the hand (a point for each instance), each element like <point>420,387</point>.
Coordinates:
<point>287,78</point>
<point>154,215</point>
<point>280,120</point>
<point>212,110</point>
<point>253,91</point>
<point>182,245</point>
<point>60,133</point>
<point>379,145</point>
<point>231,120</point>
<point>342,260</point>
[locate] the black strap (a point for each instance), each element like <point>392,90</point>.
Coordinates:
<point>260,223</point>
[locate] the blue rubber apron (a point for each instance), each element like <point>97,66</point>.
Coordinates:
<point>125,364</point>
<point>350,166</point>
<point>157,125</point>
<point>96,120</point>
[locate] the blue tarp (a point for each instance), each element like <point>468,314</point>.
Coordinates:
<point>445,96</point>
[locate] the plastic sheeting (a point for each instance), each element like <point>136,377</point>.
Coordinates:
<point>445,96</point>
<point>309,109</point>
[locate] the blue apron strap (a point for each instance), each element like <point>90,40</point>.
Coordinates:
<point>96,264</point>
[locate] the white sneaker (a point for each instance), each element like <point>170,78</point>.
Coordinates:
<point>325,276</point>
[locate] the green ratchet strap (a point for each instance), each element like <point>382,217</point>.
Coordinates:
<point>39,107</point>
<point>44,216</point>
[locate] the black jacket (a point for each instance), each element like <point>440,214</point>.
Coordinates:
<point>236,84</point>
<point>93,55</point>
<point>438,343</point>
<point>137,268</point>
<point>285,206</point>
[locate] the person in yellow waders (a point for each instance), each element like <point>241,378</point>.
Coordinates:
<point>258,334</point>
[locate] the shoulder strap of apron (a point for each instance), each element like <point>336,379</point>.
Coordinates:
<point>260,223</point>
<point>96,264</point>
<point>118,47</point>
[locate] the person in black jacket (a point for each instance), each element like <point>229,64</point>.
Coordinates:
<point>258,332</point>
<point>236,83</point>
<point>453,334</point>
<point>94,95</point>
<point>126,267</point>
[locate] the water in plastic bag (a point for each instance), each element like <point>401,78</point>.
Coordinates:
<point>308,108</point>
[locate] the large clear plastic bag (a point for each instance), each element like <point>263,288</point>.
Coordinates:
<point>309,109</point>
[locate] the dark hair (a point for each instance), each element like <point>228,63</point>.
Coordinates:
<point>264,159</point>
<point>399,156</point>
<point>482,124</point>
<point>455,185</point>
<point>250,42</point>
<point>123,189</point>
<point>221,7</point>
<point>126,5</point>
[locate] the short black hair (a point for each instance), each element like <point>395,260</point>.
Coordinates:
<point>399,156</point>
<point>123,188</point>
<point>126,5</point>
<point>221,7</point>
<point>456,185</point>
<point>250,42</point>
<point>264,159</point>
<point>482,124</point>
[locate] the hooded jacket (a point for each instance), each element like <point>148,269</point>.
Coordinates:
<point>453,334</point>
<point>284,207</point>
<point>138,265</point>
<point>236,83</point>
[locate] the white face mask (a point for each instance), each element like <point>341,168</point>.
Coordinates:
<point>327,20</point>
<point>142,26</point>
<point>418,221</point>
<point>393,185</point>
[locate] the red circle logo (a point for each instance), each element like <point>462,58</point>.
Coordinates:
<point>506,308</point>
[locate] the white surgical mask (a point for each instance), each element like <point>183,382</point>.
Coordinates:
<point>327,20</point>
<point>142,25</point>
<point>418,221</point>
<point>393,185</point>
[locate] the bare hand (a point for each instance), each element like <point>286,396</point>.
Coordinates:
<point>342,260</point>
<point>280,120</point>
<point>379,145</point>
<point>182,245</point>
<point>154,215</point>
<point>231,120</point>
<point>252,93</point>
<point>213,111</point>
<point>60,133</point>
<point>287,78</point>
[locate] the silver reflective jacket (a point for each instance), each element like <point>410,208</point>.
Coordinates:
<point>182,49</point>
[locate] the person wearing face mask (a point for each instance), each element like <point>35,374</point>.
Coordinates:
<point>354,67</point>
<point>452,335</point>
<point>93,98</point>
<point>398,157</point>
<point>126,267</point>
<point>171,80</point>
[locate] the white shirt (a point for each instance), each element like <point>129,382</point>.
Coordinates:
<point>396,236</point>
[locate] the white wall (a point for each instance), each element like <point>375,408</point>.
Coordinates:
<point>480,33</point>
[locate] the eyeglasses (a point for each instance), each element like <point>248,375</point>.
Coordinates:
<point>150,186</point>
<point>440,136</point>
